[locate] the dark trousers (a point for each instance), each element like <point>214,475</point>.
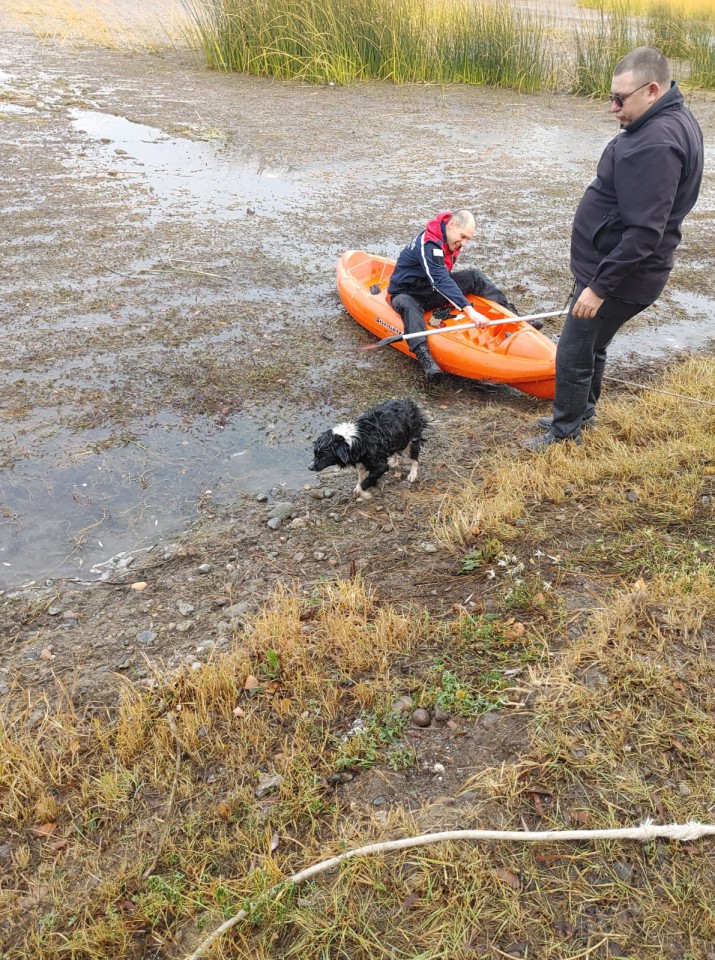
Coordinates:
<point>412,308</point>
<point>581,360</point>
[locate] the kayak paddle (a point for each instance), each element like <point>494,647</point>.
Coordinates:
<point>460,326</point>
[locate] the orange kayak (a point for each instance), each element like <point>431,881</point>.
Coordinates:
<point>514,353</point>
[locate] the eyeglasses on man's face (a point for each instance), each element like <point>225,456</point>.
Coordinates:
<point>620,98</point>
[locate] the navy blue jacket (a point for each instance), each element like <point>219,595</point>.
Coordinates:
<point>627,225</point>
<point>423,266</point>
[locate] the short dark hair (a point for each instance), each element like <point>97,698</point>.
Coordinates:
<point>647,63</point>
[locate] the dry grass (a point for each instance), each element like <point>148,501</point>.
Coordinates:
<point>150,27</point>
<point>134,834</point>
<point>656,447</point>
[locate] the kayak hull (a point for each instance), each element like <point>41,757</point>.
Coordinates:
<point>515,353</point>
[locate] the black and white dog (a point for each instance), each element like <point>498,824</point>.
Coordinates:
<point>373,442</point>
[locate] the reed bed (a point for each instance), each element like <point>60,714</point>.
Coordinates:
<point>405,41</point>
<point>465,41</point>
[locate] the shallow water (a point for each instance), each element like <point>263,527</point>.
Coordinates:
<point>183,175</point>
<point>91,503</point>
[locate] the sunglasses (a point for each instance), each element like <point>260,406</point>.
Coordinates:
<point>620,99</point>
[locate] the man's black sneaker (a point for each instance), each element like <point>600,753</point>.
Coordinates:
<point>546,440</point>
<point>587,424</point>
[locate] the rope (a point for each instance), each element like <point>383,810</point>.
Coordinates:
<point>646,831</point>
<point>667,393</point>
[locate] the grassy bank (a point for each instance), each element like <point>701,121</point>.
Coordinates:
<point>135,832</point>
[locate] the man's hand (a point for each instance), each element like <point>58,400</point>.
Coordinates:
<point>477,319</point>
<point>587,305</point>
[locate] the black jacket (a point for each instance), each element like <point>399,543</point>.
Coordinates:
<point>627,225</point>
<point>423,267</point>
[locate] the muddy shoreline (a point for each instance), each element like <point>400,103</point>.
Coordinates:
<point>173,338</point>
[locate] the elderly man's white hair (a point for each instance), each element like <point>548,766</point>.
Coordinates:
<point>465,219</point>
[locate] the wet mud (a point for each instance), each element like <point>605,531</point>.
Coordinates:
<point>172,336</point>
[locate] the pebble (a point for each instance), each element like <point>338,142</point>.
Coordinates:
<point>683,789</point>
<point>379,801</point>
<point>184,608</point>
<point>402,705</point>
<point>237,609</point>
<point>429,547</point>
<point>299,557</point>
<point>262,497</point>
<point>139,586</point>
<point>440,714</point>
<point>316,493</point>
<point>335,516</point>
<point>124,664</point>
<point>46,654</point>
<point>5,851</point>
<point>328,493</point>
<point>632,496</point>
<point>268,785</point>
<point>54,611</point>
<point>421,717</point>
<point>274,523</point>
<point>204,568</point>
<point>147,637</point>
<point>297,522</point>
<point>341,777</point>
<point>184,626</point>
<point>318,555</point>
<point>283,510</point>
<point>438,768</point>
<point>622,870</point>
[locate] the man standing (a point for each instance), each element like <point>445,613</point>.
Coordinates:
<point>625,231</point>
<point>422,280</point>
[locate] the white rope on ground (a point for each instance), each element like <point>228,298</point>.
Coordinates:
<point>692,830</point>
<point>666,393</point>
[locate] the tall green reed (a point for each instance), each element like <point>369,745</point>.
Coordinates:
<point>702,56</point>
<point>599,46</point>
<point>469,41</point>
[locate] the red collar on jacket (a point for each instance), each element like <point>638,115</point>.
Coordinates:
<point>435,233</point>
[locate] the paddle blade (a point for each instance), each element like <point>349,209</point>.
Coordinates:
<point>383,343</point>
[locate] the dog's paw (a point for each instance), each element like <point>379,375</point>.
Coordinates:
<point>394,460</point>
<point>362,494</point>
<point>412,476</point>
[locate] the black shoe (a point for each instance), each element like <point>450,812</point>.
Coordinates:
<point>546,440</point>
<point>588,423</point>
<point>431,368</point>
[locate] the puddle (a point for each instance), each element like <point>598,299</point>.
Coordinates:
<point>81,504</point>
<point>181,174</point>
<point>660,339</point>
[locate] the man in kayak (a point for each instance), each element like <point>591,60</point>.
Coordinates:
<point>625,232</point>
<point>423,280</point>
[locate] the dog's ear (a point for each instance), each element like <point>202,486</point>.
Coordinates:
<point>342,452</point>
<point>323,441</point>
